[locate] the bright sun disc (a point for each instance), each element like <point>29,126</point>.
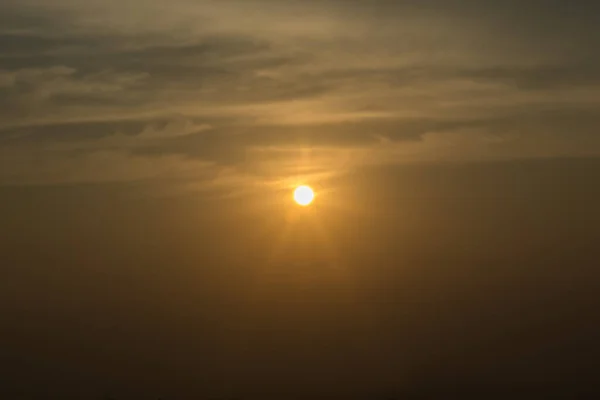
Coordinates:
<point>304,195</point>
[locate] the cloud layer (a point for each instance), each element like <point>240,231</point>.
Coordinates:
<point>128,90</point>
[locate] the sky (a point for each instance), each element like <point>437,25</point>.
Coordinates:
<point>150,245</point>
<point>125,90</point>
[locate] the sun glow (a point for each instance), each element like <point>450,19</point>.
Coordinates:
<point>304,195</point>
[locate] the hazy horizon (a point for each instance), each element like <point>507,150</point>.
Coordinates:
<point>150,245</point>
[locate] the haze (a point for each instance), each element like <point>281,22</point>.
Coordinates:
<point>150,246</point>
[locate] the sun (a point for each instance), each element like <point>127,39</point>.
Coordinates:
<point>304,195</point>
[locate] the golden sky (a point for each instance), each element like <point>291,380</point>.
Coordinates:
<point>149,241</point>
<point>127,90</point>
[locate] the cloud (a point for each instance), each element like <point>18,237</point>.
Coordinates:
<point>217,83</point>
<point>44,168</point>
